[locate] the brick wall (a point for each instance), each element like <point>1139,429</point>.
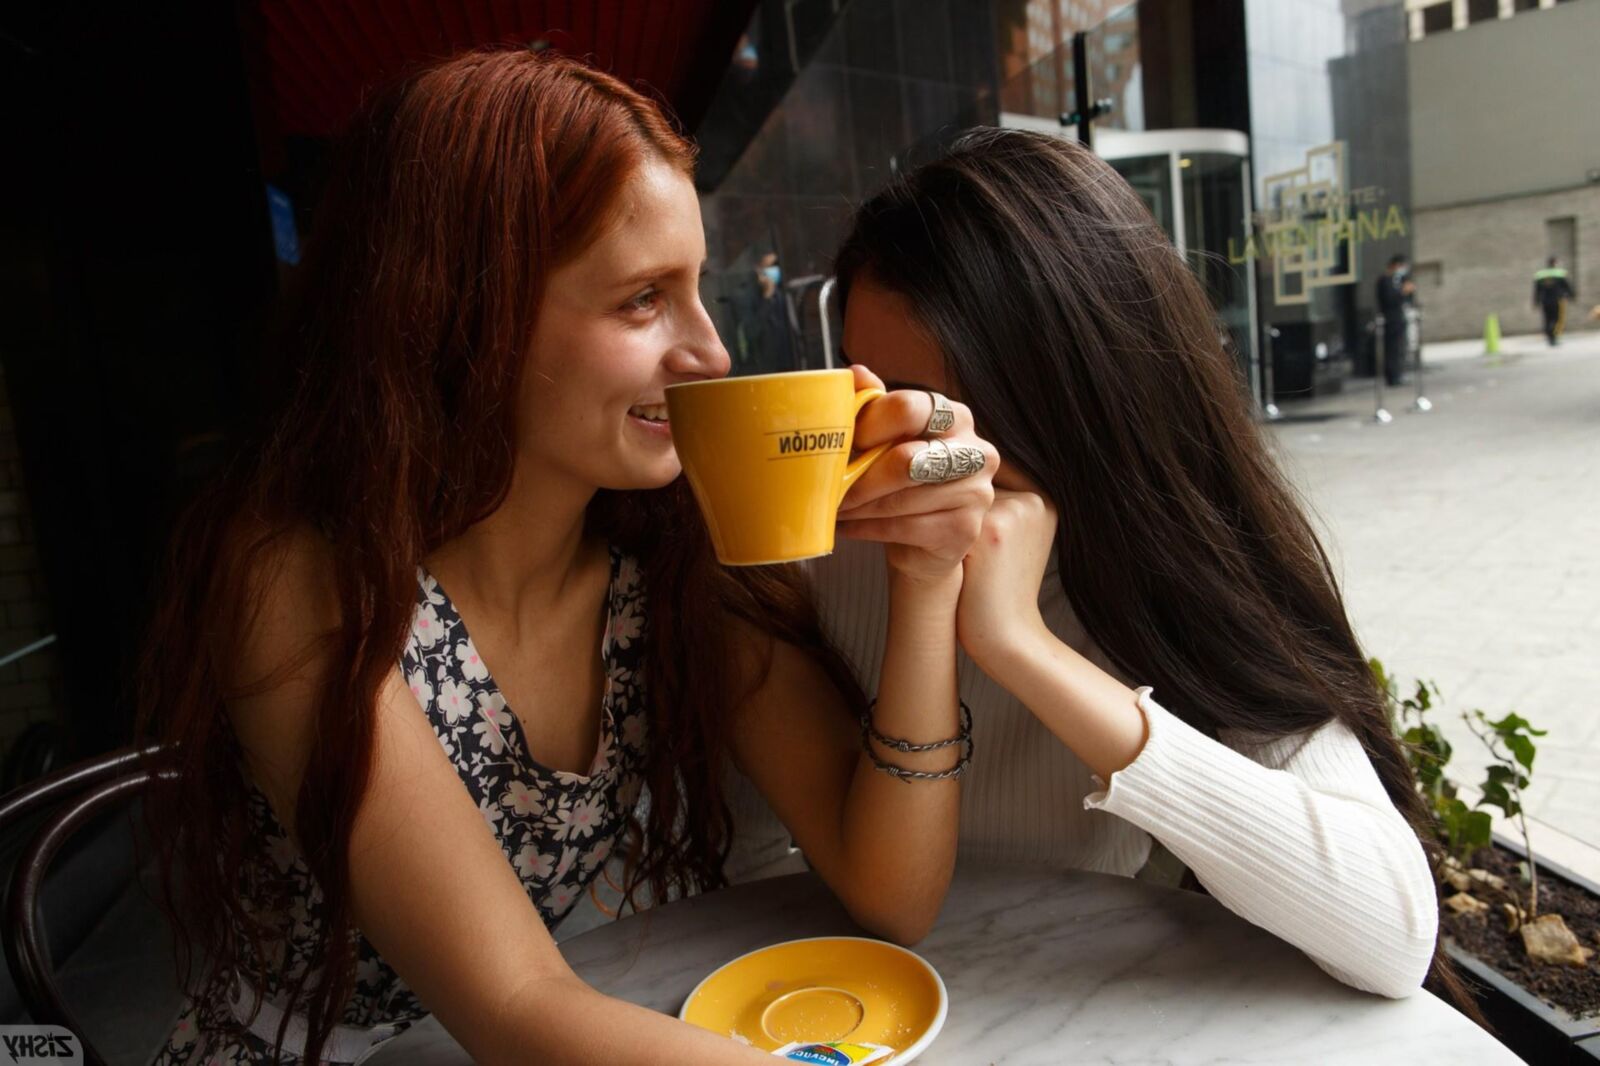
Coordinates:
<point>30,688</point>
<point>1486,254</point>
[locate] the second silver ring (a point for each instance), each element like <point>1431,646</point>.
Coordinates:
<point>939,463</point>
<point>943,417</point>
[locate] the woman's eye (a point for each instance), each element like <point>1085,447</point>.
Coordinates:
<point>644,301</point>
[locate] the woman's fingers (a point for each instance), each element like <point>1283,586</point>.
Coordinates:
<point>891,474</point>
<point>945,534</point>
<point>924,499</point>
<point>937,522</point>
<point>903,415</point>
<point>866,379</point>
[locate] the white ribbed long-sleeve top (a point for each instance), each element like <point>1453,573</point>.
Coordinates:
<point>1294,834</point>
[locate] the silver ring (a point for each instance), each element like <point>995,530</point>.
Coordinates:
<point>939,463</point>
<point>943,417</point>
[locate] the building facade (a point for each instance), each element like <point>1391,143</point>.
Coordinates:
<point>1507,167</point>
<point>1291,148</point>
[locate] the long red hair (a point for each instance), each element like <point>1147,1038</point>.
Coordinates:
<point>452,199</point>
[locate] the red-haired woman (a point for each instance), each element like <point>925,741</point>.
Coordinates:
<point>375,814</point>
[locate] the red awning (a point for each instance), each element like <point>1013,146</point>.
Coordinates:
<point>313,59</point>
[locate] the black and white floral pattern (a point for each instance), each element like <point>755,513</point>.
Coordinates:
<point>557,829</point>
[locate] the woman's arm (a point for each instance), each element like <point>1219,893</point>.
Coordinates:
<point>885,846</point>
<point>436,896</point>
<point>1297,836</point>
<point>430,886</point>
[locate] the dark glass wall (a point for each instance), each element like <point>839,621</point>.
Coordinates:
<point>1372,115</point>
<point>1320,87</point>
<point>1331,150</point>
<point>889,81</point>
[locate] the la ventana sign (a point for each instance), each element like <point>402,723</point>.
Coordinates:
<point>1312,222</point>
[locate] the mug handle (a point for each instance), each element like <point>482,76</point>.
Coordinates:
<point>863,462</point>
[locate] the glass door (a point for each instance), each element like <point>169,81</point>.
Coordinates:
<point>1151,178</point>
<point>1197,185</point>
<point>1214,190</point>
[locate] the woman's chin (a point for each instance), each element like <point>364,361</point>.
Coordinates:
<point>653,474</point>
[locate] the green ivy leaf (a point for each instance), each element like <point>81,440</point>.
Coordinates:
<point>1522,748</point>
<point>1464,830</point>
<point>1497,796</point>
<point>1439,746</point>
<point>1479,829</point>
<point>1495,792</point>
<point>1515,723</point>
<point>1423,700</point>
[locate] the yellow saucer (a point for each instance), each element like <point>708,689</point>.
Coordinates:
<point>823,989</point>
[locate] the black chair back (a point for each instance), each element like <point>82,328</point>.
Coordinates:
<point>76,795</point>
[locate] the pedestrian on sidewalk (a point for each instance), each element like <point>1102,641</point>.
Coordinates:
<point>1551,291</point>
<point>1395,289</point>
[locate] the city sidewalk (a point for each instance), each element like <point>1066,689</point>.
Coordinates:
<point>1468,543</point>
<point>1438,353</point>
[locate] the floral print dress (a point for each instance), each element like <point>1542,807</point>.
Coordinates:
<point>557,829</point>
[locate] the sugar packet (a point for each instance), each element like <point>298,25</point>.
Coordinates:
<point>834,1053</point>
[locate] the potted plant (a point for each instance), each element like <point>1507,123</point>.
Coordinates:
<point>1525,931</point>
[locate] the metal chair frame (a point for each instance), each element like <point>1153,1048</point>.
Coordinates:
<point>80,792</point>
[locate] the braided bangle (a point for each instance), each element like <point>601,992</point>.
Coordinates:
<point>905,747</point>
<point>964,739</point>
<point>909,776</point>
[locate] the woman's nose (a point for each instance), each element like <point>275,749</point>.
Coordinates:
<point>700,353</point>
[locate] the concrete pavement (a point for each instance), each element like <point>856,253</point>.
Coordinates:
<point>1468,543</point>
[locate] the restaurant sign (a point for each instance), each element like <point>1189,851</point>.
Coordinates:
<point>1310,223</point>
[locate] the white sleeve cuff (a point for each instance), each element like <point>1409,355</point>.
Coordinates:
<point>1143,775</point>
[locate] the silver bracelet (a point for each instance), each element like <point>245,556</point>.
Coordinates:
<point>905,747</point>
<point>870,734</point>
<point>909,776</point>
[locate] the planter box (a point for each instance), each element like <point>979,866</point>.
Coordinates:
<point>1534,1029</point>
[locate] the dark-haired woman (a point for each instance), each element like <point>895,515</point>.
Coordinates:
<point>1158,649</point>
<point>452,612</point>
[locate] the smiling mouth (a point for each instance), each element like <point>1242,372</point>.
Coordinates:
<point>649,412</point>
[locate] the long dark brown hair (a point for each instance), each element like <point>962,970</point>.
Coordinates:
<point>1093,360</point>
<point>452,199</point>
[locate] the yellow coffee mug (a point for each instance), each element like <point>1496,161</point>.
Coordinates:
<point>768,458</point>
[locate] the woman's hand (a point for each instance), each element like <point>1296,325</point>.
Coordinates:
<point>999,609</point>
<point>927,528</point>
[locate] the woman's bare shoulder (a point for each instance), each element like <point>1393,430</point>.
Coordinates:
<point>287,583</point>
<point>277,658</point>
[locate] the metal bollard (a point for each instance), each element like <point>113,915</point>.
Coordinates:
<point>1421,405</point>
<point>1380,356</point>
<point>1269,408</point>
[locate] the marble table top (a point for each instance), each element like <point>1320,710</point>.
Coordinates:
<point>1044,967</point>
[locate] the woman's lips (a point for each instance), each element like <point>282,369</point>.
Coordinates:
<point>649,412</point>
<point>651,418</point>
